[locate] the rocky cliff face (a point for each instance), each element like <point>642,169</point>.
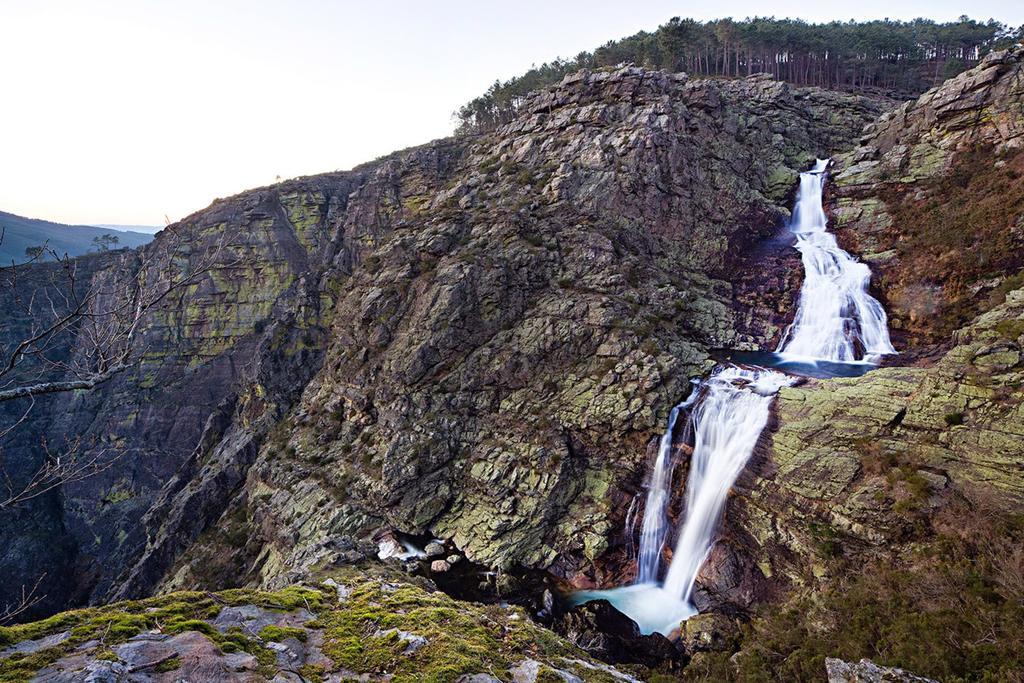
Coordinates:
<point>500,360</point>
<point>872,503</point>
<point>933,197</point>
<point>474,339</point>
<point>479,339</point>
<point>954,422</point>
<point>217,368</point>
<point>33,531</point>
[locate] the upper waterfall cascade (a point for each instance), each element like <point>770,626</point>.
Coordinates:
<point>837,322</point>
<point>836,319</point>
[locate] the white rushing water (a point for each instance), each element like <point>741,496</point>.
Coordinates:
<point>727,422</point>
<point>655,524</point>
<point>837,321</point>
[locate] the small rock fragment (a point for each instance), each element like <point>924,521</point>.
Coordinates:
<point>414,642</point>
<point>341,590</point>
<point>434,549</point>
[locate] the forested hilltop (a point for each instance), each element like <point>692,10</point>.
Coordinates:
<point>896,58</point>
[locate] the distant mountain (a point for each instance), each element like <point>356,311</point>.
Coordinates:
<point>20,233</point>
<point>147,229</point>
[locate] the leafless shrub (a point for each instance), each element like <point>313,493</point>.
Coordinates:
<point>78,330</point>
<point>29,598</point>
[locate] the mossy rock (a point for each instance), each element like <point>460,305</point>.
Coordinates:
<point>382,628</point>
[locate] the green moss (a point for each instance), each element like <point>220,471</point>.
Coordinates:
<point>548,675</point>
<point>172,613</point>
<point>286,600</point>
<point>118,493</point>
<point>954,419</point>
<point>461,637</point>
<point>278,634</point>
<point>197,625</point>
<point>10,635</point>
<point>168,665</point>
<point>312,672</point>
<point>363,634</point>
<point>1010,329</point>
<point>825,540</point>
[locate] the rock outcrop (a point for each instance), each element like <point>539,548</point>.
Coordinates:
<point>866,671</point>
<point>217,366</point>
<point>506,334</point>
<point>471,346</point>
<point>955,424</point>
<point>846,461</point>
<point>855,464</point>
<point>348,627</point>
<point>933,198</point>
<point>501,358</point>
<point>474,339</point>
<point>871,505</point>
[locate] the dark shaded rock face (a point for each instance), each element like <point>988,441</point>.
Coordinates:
<point>608,634</point>
<point>218,367</point>
<point>474,339</point>
<point>36,544</point>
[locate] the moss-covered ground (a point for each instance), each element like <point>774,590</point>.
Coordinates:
<point>170,614</point>
<point>366,632</point>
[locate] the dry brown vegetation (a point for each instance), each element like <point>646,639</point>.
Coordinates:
<point>960,240</point>
<point>951,609</point>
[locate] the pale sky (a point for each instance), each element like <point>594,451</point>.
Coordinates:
<point>127,112</point>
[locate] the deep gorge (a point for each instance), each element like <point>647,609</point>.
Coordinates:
<point>481,340</point>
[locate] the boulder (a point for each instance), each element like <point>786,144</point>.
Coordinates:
<point>866,671</point>
<point>709,632</point>
<point>434,549</point>
<point>608,634</point>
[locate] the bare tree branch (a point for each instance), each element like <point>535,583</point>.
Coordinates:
<point>69,329</point>
<point>75,463</point>
<point>28,599</point>
<point>66,385</point>
<point>103,316</point>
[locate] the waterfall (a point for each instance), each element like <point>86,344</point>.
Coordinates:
<point>727,423</point>
<point>837,322</point>
<point>655,523</point>
<point>836,319</point>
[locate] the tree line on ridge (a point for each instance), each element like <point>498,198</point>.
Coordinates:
<point>895,58</point>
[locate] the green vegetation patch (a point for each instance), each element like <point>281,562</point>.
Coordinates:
<point>461,638</point>
<point>168,665</point>
<point>278,634</point>
<point>389,629</point>
<point>171,614</point>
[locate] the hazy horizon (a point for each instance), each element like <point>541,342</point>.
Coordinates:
<point>130,114</point>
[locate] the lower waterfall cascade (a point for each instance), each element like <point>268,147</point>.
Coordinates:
<point>837,323</point>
